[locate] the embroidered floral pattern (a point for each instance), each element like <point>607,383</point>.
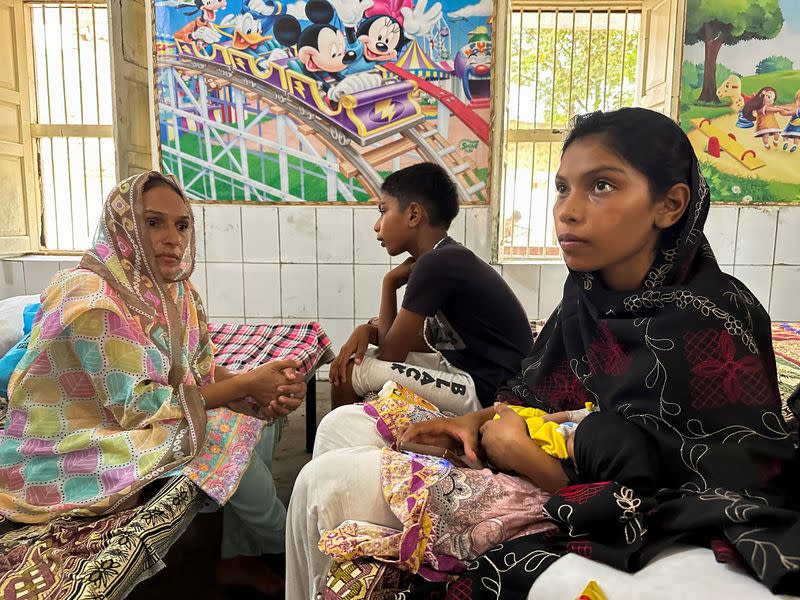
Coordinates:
<point>606,355</point>
<point>719,378</point>
<point>562,390</point>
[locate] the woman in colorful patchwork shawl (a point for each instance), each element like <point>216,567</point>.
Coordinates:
<point>114,389</point>
<point>689,443</point>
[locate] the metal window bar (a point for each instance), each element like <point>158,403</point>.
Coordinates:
<point>72,127</point>
<point>562,62</point>
<point>513,173</point>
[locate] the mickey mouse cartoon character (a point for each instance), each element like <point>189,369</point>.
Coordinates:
<point>323,51</point>
<point>321,48</point>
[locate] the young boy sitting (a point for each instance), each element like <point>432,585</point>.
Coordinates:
<point>461,332</point>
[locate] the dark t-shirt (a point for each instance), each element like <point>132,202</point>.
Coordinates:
<point>474,319</point>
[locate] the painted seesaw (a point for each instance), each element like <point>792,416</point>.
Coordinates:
<point>719,140</point>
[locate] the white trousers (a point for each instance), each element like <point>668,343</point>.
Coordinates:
<point>341,482</point>
<point>427,374</point>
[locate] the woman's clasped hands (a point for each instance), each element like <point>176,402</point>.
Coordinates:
<point>271,390</point>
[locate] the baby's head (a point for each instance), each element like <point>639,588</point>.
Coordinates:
<point>413,201</point>
<point>624,178</point>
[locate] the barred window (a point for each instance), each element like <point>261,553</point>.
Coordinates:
<point>561,62</point>
<point>72,121</point>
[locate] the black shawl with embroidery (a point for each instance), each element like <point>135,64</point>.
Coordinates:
<point>688,358</point>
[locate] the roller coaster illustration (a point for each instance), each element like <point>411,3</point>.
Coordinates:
<point>344,142</point>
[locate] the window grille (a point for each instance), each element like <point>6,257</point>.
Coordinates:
<point>562,62</point>
<point>72,126</point>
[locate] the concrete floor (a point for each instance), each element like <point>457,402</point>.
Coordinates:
<point>191,563</point>
<point>291,454</point>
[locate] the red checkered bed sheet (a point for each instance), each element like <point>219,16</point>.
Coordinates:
<point>242,347</point>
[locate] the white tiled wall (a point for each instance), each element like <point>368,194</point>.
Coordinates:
<point>720,229</point>
<point>266,264</point>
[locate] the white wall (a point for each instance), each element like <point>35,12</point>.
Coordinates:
<point>264,264</point>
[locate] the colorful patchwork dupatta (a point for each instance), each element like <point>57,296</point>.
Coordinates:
<point>106,399</point>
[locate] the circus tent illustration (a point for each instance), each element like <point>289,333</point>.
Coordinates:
<point>415,61</point>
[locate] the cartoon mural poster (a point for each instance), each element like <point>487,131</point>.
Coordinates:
<point>318,100</point>
<point>740,97</point>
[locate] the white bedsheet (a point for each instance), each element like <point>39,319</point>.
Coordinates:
<point>680,573</point>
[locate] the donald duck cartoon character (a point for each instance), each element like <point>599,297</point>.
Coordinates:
<point>247,32</point>
<point>265,11</point>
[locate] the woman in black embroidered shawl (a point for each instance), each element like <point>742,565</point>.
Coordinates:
<point>651,330</point>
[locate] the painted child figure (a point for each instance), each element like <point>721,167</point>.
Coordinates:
<point>791,133</point>
<point>761,108</point>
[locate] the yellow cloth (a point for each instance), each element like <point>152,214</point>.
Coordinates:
<point>592,592</point>
<point>400,393</point>
<point>545,434</point>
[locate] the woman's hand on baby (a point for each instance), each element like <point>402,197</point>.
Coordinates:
<point>355,347</point>
<point>501,438</point>
<point>452,433</point>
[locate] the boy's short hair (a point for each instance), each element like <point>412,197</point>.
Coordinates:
<point>430,185</point>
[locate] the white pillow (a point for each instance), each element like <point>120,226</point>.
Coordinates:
<point>11,320</point>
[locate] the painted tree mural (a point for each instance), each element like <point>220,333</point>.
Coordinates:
<point>718,22</point>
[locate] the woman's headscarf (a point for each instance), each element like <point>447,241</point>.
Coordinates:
<point>124,256</point>
<point>688,358</point>
<point>107,397</point>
